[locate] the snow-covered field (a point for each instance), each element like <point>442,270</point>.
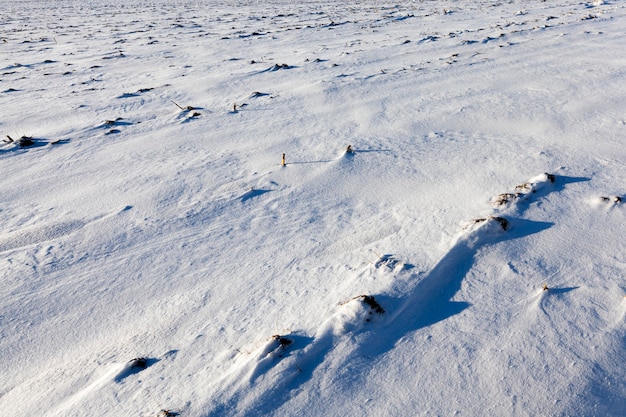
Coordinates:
<point>156,258</point>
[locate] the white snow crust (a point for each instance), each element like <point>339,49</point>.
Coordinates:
<point>465,257</point>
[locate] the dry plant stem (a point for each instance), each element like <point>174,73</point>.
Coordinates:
<point>188,108</point>
<point>176,104</point>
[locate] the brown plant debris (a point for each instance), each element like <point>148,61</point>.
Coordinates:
<point>371,302</point>
<point>505,198</point>
<point>282,341</point>
<point>504,223</point>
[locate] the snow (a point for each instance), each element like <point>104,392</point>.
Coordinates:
<point>466,258</point>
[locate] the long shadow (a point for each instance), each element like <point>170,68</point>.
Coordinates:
<point>253,193</point>
<point>371,150</point>
<point>427,303</point>
<point>309,162</point>
<point>561,181</point>
<point>559,184</point>
<point>33,143</point>
<point>559,291</point>
<point>134,366</point>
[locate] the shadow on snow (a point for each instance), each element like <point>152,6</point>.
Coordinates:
<point>427,303</point>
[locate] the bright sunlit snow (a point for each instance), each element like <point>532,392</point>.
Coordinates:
<point>446,235</point>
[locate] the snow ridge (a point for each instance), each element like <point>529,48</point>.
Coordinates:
<point>364,323</point>
<point>145,208</point>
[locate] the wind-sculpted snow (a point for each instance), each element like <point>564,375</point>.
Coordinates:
<point>312,208</point>
<point>428,302</point>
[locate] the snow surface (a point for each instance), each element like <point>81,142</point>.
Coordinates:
<point>156,258</point>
